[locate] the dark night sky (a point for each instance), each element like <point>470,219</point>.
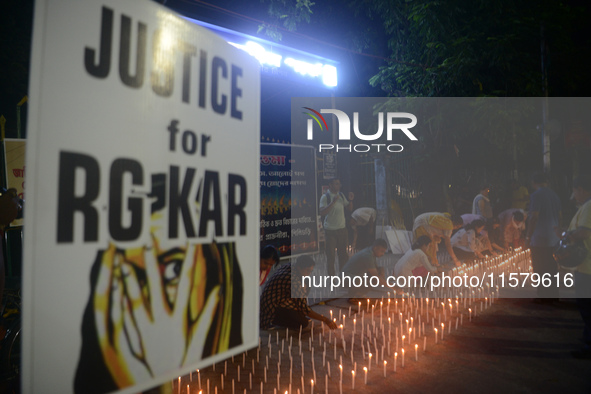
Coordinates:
<point>330,27</point>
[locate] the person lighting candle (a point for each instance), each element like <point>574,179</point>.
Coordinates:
<point>282,307</point>
<point>364,263</point>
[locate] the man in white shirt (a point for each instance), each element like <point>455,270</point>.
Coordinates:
<point>363,223</point>
<point>332,205</point>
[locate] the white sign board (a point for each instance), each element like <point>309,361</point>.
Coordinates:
<point>141,228</point>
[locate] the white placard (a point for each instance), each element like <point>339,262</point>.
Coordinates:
<point>141,228</point>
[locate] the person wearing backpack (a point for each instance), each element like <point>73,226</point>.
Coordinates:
<point>332,206</point>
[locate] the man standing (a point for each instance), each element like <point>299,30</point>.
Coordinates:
<point>580,230</point>
<point>481,204</point>
<point>545,216</point>
<point>519,195</point>
<point>332,206</point>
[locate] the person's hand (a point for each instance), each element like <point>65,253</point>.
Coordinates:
<point>133,310</point>
<point>331,324</point>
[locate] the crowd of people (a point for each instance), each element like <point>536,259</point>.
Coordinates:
<point>534,221</point>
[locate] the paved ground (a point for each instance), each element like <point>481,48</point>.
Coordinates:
<point>515,346</point>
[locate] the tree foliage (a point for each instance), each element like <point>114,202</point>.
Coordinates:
<point>287,13</point>
<point>467,48</point>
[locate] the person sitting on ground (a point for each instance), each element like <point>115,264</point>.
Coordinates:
<point>269,257</point>
<point>284,300</point>
<point>512,223</point>
<point>415,261</point>
<point>465,242</point>
<point>364,263</point>
<point>437,226</point>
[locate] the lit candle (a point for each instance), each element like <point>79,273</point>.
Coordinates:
<point>370,361</point>
<point>385,363</point>
<point>402,350</point>
<point>435,335</point>
<point>312,386</point>
<point>470,311</point>
<point>352,380</point>
<point>365,369</point>
<point>416,352</point>
<point>341,373</point>
<point>425,343</point>
<point>395,360</point>
<point>179,386</point>
<point>442,329</point>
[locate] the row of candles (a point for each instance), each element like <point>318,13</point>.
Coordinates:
<point>377,336</point>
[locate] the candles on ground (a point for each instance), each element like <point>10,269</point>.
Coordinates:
<point>312,386</point>
<point>370,355</point>
<point>385,363</point>
<point>402,350</point>
<point>353,379</point>
<point>395,360</point>
<point>416,352</point>
<point>365,370</point>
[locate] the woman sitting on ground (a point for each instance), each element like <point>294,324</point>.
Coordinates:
<point>415,261</point>
<point>466,243</point>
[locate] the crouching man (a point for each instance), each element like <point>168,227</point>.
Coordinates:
<point>284,300</point>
